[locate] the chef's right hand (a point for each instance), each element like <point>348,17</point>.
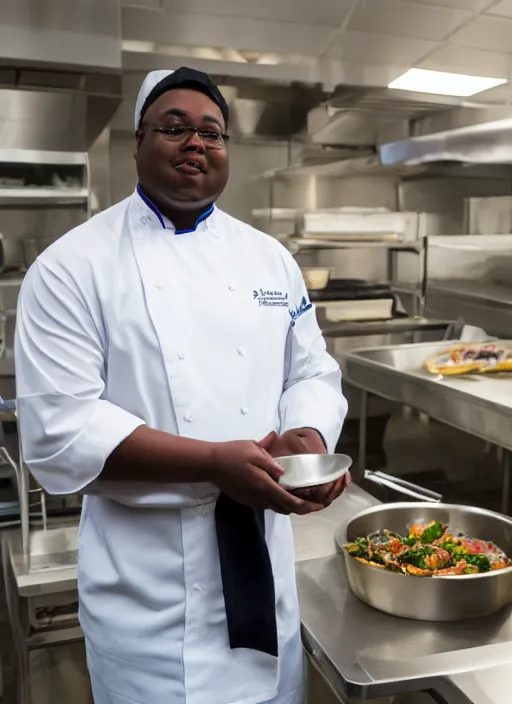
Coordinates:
<point>244,471</point>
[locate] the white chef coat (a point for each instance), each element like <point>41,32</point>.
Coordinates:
<point>206,334</point>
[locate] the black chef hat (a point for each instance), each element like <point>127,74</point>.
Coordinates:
<point>186,78</point>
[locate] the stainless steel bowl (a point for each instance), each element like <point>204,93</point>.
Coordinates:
<point>301,471</point>
<point>430,598</point>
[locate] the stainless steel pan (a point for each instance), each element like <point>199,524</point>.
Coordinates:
<point>430,598</point>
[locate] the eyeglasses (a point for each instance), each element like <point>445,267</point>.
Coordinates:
<point>210,138</point>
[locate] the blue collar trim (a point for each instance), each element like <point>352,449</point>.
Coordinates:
<point>200,219</point>
<point>151,206</point>
<point>155,210</point>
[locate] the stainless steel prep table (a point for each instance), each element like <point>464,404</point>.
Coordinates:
<point>365,654</point>
<point>478,405</point>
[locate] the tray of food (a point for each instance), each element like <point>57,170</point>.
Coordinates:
<point>471,358</point>
<point>429,561</point>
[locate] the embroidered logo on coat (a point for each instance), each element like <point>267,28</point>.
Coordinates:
<point>271,298</point>
<point>297,312</point>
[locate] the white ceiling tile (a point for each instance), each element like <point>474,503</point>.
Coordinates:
<point>362,74</point>
<point>500,95</point>
<point>226,32</point>
<point>407,19</point>
<point>320,12</point>
<point>490,33</point>
<point>460,59</point>
<point>375,48</point>
<point>472,5</point>
<point>502,9</point>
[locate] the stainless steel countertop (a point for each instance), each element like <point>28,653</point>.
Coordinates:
<point>479,405</point>
<point>365,654</point>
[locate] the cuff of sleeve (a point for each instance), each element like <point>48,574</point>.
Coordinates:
<point>307,427</point>
<point>81,460</point>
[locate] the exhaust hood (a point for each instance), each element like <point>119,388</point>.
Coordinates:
<point>471,136</point>
<point>363,117</point>
<point>58,59</point>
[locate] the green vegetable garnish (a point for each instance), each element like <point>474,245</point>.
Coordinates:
<point>449,546</point>
<point>359,548</point>
<point>376,557</point>
<point>433,531</point>
<point>416,556</point>
<point>410,541</point>
<point>482,562</point>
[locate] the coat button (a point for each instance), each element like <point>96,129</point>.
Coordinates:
<point>188,417</point>
<point>232,287</point>
<point>244,411</point>
<point>198,588</point>
<point>181,355</point>
<point>241,351</point>
<point>159,284</point>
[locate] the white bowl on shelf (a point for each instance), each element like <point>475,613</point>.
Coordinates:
<point>316,278</point>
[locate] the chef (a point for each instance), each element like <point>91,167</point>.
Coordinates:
<point>165,354</point>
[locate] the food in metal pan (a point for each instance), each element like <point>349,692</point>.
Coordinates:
<point>431,550</point>
<point>480,358</point>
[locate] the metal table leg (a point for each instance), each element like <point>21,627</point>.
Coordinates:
<point>505,495</point>
<point>363,424</point>
<point>23,678</point>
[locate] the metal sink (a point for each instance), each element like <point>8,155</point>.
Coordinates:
<point>51,565</point>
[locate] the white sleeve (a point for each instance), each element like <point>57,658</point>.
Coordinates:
<point>312,396</point>
<point>67,430</point>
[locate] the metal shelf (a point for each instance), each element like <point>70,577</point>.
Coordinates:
<point>369,165</point>
<point>472,243</point>
<point>10,197</point>
<point>305,243</point>
<point>383,327</point>
<point>38,157</point>
<point>12,279</point>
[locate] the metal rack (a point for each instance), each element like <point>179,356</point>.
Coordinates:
<point>24,162</point>
<point>392,247</point>
<point>28,498</point>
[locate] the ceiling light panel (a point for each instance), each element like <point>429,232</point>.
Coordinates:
<point>441,83</point>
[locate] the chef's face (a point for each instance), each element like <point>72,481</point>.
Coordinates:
<point>184,173</point>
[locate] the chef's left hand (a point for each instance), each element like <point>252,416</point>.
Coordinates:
<point>306,441</point>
